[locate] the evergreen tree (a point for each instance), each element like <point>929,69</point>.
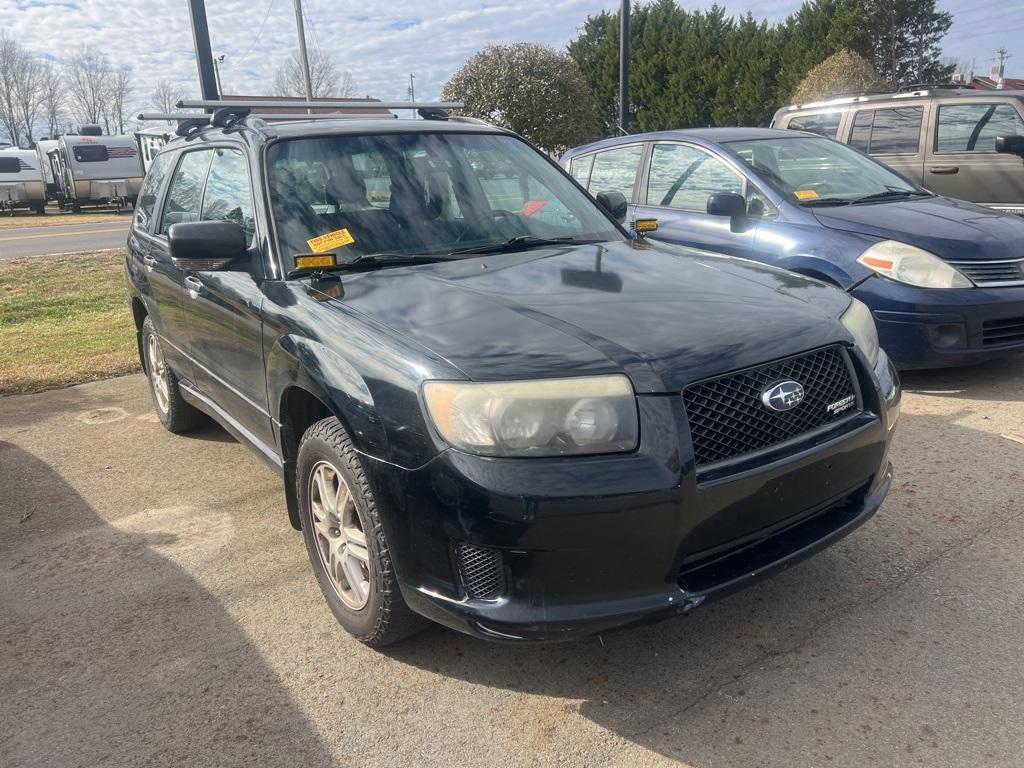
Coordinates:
<point>905,38</point>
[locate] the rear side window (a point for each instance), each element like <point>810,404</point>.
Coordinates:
<point>685,177</point>
<point>90,153</point>
<point>824,124</point>
<point>580,168</point>
<point>10,165</point>
<point>150,191</point>
<point>615,170</point>
<point>186,191</point>
<point>888,131</point>
<point>974,127</point>
<point>228,191</point>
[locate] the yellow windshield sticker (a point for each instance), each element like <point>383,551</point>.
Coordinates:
<point>805,194</point>
<point>330,241</point>
<point>311,262</point>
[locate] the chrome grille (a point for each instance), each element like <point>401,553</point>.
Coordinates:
<point>992,272</point>
<point>995,333</point>
<point>727,417</point>
<point>481,571</point>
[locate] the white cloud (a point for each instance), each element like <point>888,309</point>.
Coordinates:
<point>381,44</point>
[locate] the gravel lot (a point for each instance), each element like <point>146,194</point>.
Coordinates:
<point>158,610</point>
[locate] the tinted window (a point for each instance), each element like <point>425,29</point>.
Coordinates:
<point>90,153</point>
<point>228,193</point>
<point>9,165</point>
<point>186,192</point>
<point>580,168</point>
<point>974,127</point>
<point>685,177</point>
<point>615,170</point>
<point>826,124</point>
<point>888,131</point>
<point>150,190</point>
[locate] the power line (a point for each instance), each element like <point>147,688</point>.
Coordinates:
<point>307,13</point>
<point>266,15</point>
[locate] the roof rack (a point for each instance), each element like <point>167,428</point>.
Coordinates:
<point>360,105</point>
<point>180,116</point>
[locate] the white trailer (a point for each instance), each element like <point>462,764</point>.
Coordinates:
<point>52,187</point>
<point>21,181</point>
<point>97,170</point>
<point>149,141</point>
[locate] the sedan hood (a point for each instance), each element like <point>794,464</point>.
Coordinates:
<point>951,229</point>
<point>666,316</point>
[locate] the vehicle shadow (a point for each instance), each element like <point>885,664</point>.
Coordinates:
<point>766,677</point>
<point>981,382</point>
<point>111,653</point>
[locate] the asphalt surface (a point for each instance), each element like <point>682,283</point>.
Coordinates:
<point>38,241</point>
<point>158,610</point>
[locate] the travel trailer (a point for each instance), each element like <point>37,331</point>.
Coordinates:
<point>52,188</point>
<point>149,141</point>
<point>21,181</point>
<point>96,170</point>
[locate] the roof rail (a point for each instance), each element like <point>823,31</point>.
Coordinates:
<point>360,105</point>
<point>205,118</point>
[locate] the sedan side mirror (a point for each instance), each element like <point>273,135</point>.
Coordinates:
<point>206,245</point>
<point>1010,145</point>
<point>615,203</point>
<point>727,204</point>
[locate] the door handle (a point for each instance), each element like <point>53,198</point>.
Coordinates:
<point>149,263</point>
<point>194,286</point>
<point>945,170</point>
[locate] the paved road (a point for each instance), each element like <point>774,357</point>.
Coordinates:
<point>157,610</point>
<point>37,241</point>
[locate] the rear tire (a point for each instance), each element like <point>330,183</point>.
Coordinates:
<point>175,414</point>
<point>345,540</point>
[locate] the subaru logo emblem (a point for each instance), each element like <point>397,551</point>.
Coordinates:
<point>783,396</point>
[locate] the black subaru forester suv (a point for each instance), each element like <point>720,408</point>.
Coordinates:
<point>492,405</point>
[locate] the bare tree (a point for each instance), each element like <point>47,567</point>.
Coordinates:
<point>165,96</point>
<point>28,93</point>
<point>120,90</point>
<point>10,55</point>
<point>87,73</point>
<point>323,76</point>
<point>52,96</point>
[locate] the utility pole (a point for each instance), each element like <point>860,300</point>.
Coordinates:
<point>217,61</point>
<point>624,67</point>
<point>204,54</point>
<point>303,56</point>
<point>411,91</point>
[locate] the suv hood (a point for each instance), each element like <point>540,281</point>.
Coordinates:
<point>666,316</point>
<point>951,229</point>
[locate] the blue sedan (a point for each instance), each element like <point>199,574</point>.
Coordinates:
<point>943,278</point>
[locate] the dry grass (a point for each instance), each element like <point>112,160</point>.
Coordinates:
<point>64,320</point>
<point>25,220</point>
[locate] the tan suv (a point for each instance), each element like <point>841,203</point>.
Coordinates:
<point>944,140</point>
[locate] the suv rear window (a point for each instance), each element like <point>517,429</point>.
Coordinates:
<point>91,153</point>
<point>824,124</point>
<point>895,131</point>
<point>9,165</point>
<point>974,127</point>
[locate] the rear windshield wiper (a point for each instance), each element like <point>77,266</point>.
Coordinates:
<point>372,261</point>
<point>892,194</point>
<point>521,242</point>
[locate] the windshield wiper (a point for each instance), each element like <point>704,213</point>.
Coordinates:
<point>823,201</point>
<point>521,242</point>
<point>892,194</point>
<point>372,261</point>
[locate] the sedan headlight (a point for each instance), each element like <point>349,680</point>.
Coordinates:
<point>911,265</point>
<point>547,417</point>
<point>859,322</point>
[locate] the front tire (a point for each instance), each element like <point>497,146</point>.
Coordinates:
<point>345,540</point>
<point>175,414</point>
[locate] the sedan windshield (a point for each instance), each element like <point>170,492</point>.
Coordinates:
<point>401,194</point>
<point>811,171</point>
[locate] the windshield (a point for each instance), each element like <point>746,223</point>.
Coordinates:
<point>420,194</point>
<point>813,171</point>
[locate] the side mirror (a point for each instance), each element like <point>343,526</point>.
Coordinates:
<point>727,204</point>
<point>615,203</point>
<point>206,245</point>
<point>1010,145</point>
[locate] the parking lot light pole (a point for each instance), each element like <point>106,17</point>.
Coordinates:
<point>624,67</point>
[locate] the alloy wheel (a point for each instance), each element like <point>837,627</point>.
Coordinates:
<point>339,533</point>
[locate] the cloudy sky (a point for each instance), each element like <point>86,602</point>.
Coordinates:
<point>382,43</point>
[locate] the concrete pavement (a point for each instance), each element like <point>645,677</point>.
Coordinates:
<point>158,610</point>
<point>37,241</point>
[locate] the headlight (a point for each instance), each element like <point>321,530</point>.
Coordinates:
<point>861,325</point>
<point>912,266</point>
<point>549,417</point>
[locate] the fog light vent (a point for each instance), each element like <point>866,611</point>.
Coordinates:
<point>481,571</point>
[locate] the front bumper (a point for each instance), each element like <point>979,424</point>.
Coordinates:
<point>588,544</point>
<point>936,328</point>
